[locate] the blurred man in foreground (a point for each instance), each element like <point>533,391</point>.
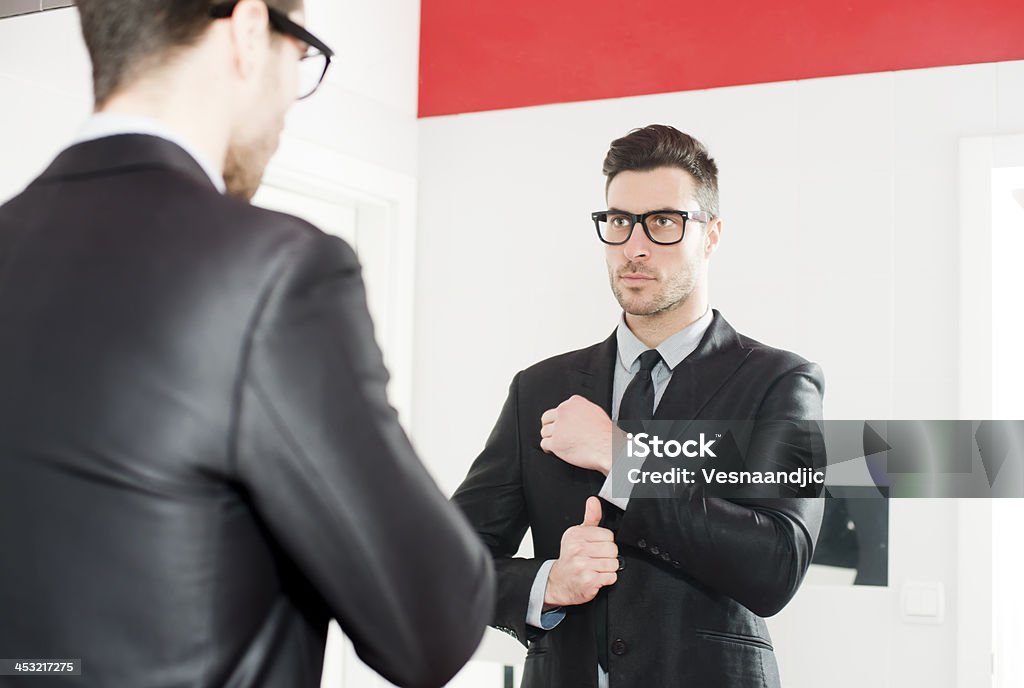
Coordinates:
<point>199,467</point>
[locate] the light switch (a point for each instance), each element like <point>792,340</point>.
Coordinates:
<point>923,602</point>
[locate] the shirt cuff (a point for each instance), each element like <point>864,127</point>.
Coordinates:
<point>606,494</point>
<point>535,614</point>
<point>620,469</point>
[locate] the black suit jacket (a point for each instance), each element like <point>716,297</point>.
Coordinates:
<point>198,463</point>
<point>699,572</point>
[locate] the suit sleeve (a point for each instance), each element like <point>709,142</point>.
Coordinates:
<point>331,472</point>
<point>755,550</point>
<point>492,499</point>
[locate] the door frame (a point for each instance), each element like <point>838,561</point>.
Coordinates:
<point>385,203</point>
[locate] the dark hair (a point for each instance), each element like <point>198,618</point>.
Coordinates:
<point>126,37</point>
<point>659,145</point>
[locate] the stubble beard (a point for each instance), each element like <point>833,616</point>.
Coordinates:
<point>670,296</point>
<point>245,165</point>
<point>250,151</point>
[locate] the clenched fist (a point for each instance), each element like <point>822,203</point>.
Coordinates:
<point>587,561</point>
<point>578,432</point>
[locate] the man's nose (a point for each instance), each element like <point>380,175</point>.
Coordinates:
<point>638,245</point>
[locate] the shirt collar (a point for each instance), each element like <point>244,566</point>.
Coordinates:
<point>103,124</point>
<point>673,350</point>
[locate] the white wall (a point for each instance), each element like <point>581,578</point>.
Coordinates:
<point>45,91</point>
<point>840,200</point>
<point>1009,569</point>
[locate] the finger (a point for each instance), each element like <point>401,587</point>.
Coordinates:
<point>594,534</point>
<point>547,430</point>
<point>605,579</point>
<point>605,565</point>
<point>549,416</point>
<point>592,515</point>
<point>545,444</point>
<point>600,550</point>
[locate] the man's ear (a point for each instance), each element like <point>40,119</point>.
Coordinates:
<point>712,235</point>
<point>250,28</point>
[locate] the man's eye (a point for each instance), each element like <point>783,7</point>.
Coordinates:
<point>664,221</point>
<point>619,221</point>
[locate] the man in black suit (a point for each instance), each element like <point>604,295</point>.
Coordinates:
<point>669,589</point>
<point>199,467</point>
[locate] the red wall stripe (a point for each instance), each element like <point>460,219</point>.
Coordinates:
<point>484,55</point>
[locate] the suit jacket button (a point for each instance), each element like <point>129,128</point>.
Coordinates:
<point>619,647</point>
<point>641,543</point>
<point>622,563</point>
<point>654,550</point>
<point>677,564</point>
<point>665,556</point>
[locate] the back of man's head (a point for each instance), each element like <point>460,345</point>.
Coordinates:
<point>126,38</point>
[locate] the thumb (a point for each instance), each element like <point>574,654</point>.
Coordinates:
<point>592,517</point>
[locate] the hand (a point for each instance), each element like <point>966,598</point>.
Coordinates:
<point>578,432</point>
<point>588,561</point>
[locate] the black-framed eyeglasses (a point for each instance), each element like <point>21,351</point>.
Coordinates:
<point>663,227</point>
<point>312,66</point>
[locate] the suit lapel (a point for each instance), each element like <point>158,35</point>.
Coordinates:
<point>593,378</point>
<point>697,379</point>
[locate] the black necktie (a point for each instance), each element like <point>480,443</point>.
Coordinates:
<point>638,400</point>
<point>637,404</point>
